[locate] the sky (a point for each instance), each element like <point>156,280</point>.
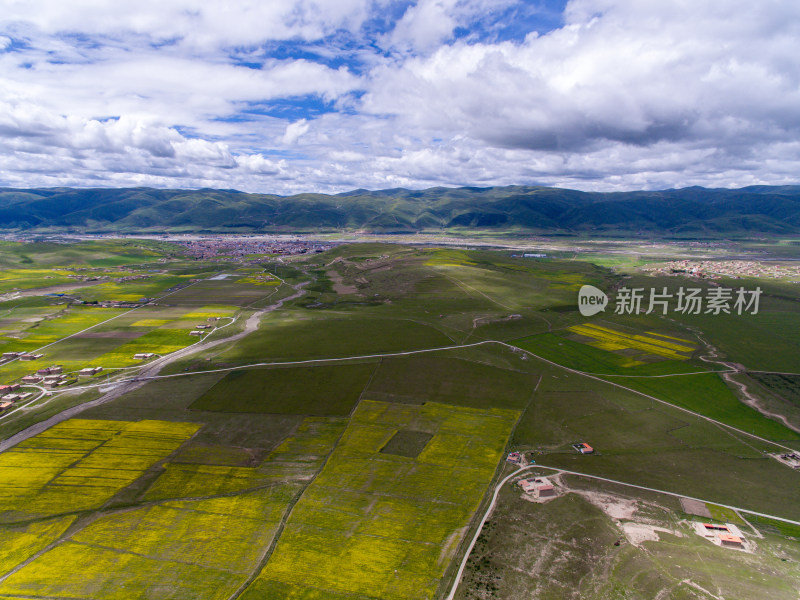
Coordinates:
<point>290,96</point>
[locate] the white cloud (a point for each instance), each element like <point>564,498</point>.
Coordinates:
<point>204,24</point>
<point>625,94</point>
<point>425,25</point>
<point>294,131</point>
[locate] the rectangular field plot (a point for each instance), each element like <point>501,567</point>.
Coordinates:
<point>325,390</point>
<point>224,292</point>
<point>643,345</point>
<point>158,341</point>
<point>73,570</point>
<point>418,379</point>
<point>50,330</point>
<point>80,464</point>
<point>298,458</point>
<point>377,525</point>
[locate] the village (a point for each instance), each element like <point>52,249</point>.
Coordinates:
<point>54,377</point>
<point>717,269</point>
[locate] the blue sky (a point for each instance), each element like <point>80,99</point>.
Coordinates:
<point>331,95</point>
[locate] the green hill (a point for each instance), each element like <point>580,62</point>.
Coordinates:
<point>689,212</point>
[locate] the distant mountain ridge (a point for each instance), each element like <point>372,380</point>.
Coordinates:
<point>688,212</point>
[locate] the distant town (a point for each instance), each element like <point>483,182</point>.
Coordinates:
<point>226,248</point>
<point>716,269</point>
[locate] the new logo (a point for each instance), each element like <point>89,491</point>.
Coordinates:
<point>591,300</point>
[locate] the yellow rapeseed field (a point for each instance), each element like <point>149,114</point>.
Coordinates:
<point>611,340</point>
<point>81,463</point>
<point>378,525</point>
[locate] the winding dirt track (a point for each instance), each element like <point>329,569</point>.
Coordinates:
<point>147,371</point>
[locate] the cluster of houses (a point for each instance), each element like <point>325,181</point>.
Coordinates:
<point>50,377</point>
<point>24,356</point>
<point>9,395</point>
<point>726,535</point>
<point>735,269</point>
<point>225,247</point>
<point>120,303</point>
<point>538,487</point>
<point>200,330</point>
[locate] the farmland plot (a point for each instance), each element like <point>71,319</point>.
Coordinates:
<point>379,525</point>
<point>80,464</point>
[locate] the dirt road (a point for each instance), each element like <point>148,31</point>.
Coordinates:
<point>148,371</point>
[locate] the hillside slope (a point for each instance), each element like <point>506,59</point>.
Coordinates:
<point>695,212</point>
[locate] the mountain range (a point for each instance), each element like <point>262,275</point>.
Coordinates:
<point>688,212</point>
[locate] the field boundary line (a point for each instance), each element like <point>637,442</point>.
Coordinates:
<point>311,360</point>
<point>438,349</point>
<point>276,538</point>
<point>657,376</point>
<point>455,347</point>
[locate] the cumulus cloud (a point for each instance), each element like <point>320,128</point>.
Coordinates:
<point>326,95</point>
<point>294,131</point>
<point>619,76</point>
<point>209,23</point>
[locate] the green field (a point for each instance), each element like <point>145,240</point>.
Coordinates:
<point>566,352</point>
<point>652,444</point>
<point>442,378</point>
<point>707,394</point>
<point>304,338</point>
<point>364,476</point>
<point>328,390</point>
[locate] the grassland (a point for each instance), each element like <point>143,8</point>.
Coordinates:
<point>652,444</point>
<point>707,394</point>
<point>324,390</point>
<point>273,484</point>
<point>575,547</point>
<point>771,335</point>
<point>113,337</point>
<point>289,338</point>
<point>444,378</point>
<point>589,359</point>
